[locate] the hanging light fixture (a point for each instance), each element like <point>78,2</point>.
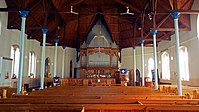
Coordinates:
<point>127,12</point>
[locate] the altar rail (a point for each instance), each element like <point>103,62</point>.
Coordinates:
<point>87,82</point>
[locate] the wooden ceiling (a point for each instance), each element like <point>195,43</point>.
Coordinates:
<point>125,30</point>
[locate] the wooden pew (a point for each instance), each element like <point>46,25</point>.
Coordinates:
<point>102,96</point>
<point>114,108</point>
<point>139,108</point>
<point>9,91</point>
<point>98,99</point>
<point>65,101</point>
<point>88,90</point>
<point>169,101</point>
<point>173,108</point>
<point>40,108</point>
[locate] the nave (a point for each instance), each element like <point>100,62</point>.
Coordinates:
<point>110,55</point>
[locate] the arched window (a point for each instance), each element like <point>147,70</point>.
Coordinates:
<point>32,65</point>
<point>184,67</point>
<point>15,53</point>
<point>150,67</point>
<point>165,66</point>
<point>47,67</point>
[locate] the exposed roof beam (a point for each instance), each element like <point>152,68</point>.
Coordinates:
<point>169,29</point>
<point>188,11</point>
<point>161,2</point>
<point>73,3</point>
<point>184,4</point>
<point>160,23</point>
<point>35,20</point>
<point>139,38</point>
<point>171,4</point>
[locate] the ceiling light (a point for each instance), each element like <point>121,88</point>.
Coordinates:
<point>127,12</point>
<point>150,16</point>
<point>71,11</point>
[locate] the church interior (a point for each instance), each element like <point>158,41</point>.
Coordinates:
<point>99,55</point>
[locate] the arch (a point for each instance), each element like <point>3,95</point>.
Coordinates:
<point>184,66</point>
<point>15,55</point>
<point>165,66</point>
<point>32,64</point>
<point>150,67</point>
<point>47,67</point>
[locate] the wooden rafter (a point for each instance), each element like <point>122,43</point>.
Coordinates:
<point>171,4</point>
<point>184,4</point>
<point>160,23</point>
<point>175,5</point>
<point>168,29</point>
<point>72,3</point>
<point>53,12</point>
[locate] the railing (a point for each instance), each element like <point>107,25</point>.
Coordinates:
<point>87,82</point>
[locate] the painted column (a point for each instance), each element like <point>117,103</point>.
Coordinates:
<point>142,60</point>
<point>154,32</point>
<point>175,15</point>
<point>55,57</point>
<point>44,30</point>
<point>23,14</point>
<point>134,64</point>
<point>63,60</point>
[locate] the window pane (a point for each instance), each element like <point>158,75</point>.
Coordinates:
<point>32,61</point>
<point>150,67</point>
<point>165,66</point>
<point>184,67</point>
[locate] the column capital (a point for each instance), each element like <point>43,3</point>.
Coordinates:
<point>134,47</point>
<point>24,13</point>
<point>56,40</point>
<point>44,30</point>
<point>64,46</point>
<point>175,15</point>
<point>142,41</point>
<point>154,32</point>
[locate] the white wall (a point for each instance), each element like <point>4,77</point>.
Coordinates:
<point>11,37</point>
<point>70,54</point>
<point>127,58</point>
